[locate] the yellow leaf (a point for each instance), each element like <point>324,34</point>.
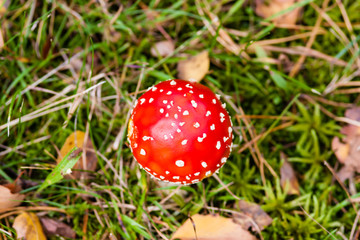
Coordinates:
<point>194,68</point>
<point>9,199</point>
<point>77,139</point>
<point>210,227</point>
<point>27,226</point>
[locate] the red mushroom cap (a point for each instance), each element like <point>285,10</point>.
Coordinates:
<point>180,132</point>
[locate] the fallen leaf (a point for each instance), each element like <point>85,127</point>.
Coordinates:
<point>288,179</point>
<point>162,48</point>
<point>194,68</point>
<point>347,150</point>
<point>266,9</point>
<point>57,228</point>
<point>254,214</point>
<point>27,226</point>
<point>210,227</point>
<point>10,196</point>
<point>77,139</point>
<point>4,5</point>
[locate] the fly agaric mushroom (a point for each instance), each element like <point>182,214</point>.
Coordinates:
<point>180,132</point>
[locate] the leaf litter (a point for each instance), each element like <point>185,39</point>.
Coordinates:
<point>162,48</point>
<point>347,149</point>
<point>57,228</point>
<point>288,179</point>
<point>208,227</point>
<point>267,9</point>
<point>28,226</point>
<point>10,196</point>
<point>194,68</point>
<point>252,216</point>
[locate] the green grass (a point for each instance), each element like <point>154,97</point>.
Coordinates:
<point>121,199</point>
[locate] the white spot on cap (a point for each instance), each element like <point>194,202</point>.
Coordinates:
<point>151,100</point>
<point>187,177</point>
<point>168,93</point>
<point>179,163</point>
<point>147,169</point>
<point>172,103</point>
<point>179,89</point>
<point>195,181</point>
<point>162,177</point>
<point>186,112</point>
<point>225,139</point>
<point>188,86</point>
<point>165,137</point>
<point>222,119</point>
<point>165,101</point>
<point>212,127</point>
<point>178,130</point>
<point>172,82</point>
<point>230,130</point>
<point>223,105</point>
<point>183,142</point>
<point>196,125</point>
<point>161,90</point>
<point>208,173</point>
<point>191,91</point>
<point>204,164</point>
<point>161,110</point>
<point>175,116</point>
<point>142,101</point>
<point>176,177</point>
<point>167,115</point>
<point>193,103</point>
<point>218,96</point>
<point>167,172</point>
<point>173,124</point>
<point>142,152</point>
<point>168,106</point>
<point>154,88</point>
<point>145,138</point>
<point>223,160</point>
<point>181,124</point>
<point>218,165</point>
<point>197,174</point>
<point>201,96</point>
<point>208,113</point>
<point>218,145</point>
<point>179,108</point>
<point>214,101</point>
<point>200,139</point>
<point>135,145</point>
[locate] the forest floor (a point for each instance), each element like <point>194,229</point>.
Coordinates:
<point>288,71</point>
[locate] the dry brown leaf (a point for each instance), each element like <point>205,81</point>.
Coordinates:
<point>89,163</point>
<point>194,68</point>
<point>56,228</point>
<point>254,214</point>
<point>10,196</point>
<point>27,226</point>
<point>266,8</point>
<point>210,227</point>
<point>288,179</point>
<point>347,151</point>
<point>162,48</point>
